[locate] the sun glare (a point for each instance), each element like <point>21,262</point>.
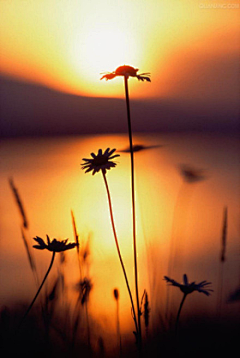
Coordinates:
<point>99,50</point>
<point>67,47</point>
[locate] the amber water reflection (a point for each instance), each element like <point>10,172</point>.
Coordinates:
<point>48,175</point>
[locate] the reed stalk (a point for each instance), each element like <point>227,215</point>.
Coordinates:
<point>222,261</point>
<point>116,297</point>
<point>76,238</point>
<point>19,203</point>
<point>84,302</point>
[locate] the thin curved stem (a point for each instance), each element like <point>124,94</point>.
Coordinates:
<point>118,250</point>
<point>178,315</point>
<point>38,291</point>
<point>133,207</point>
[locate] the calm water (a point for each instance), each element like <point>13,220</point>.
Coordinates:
<point>171,214</point>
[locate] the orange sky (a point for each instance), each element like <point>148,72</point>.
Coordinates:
<point>190,50</point>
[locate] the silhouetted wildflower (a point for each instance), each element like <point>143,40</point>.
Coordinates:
<point>187,287</point>
<point>101,161</point>
<point>127,71</point>
<point>54,245</point>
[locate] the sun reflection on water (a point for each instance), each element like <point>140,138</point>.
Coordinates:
<point>49,178</point>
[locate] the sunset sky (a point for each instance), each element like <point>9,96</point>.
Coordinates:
<point>191,49</point>
<point>55,110</point>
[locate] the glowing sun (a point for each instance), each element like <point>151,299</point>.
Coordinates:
<point>102,49</point>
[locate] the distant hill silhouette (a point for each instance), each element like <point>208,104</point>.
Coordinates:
<point>32,110</point>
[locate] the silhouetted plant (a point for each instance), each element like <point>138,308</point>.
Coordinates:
<point>188,288</point>
<point>190,177</point>
<point>24,228</point>
<point>116,297</point>
<point>146,309</point>
<point>19,204</point>
<point>84,286</point>
<point>222,260</point>
<point>54,246</point>
<point>103,162</point>
<point>126,72</point>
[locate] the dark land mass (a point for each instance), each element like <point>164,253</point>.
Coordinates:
<point>28,109</point>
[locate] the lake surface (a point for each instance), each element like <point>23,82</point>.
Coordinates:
<point>176,219</point>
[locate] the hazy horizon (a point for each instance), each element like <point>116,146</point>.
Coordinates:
<point>29,109</point>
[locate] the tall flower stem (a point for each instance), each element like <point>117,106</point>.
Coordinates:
<point>118,250</point>
<point>133,207</point>
<point>178,315</point>
<point>38,291</point>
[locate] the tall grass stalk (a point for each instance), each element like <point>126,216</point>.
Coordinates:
<point>133,210</point>
<point>76,237</point>
<point>116,296</point>
<point>24,229</point>
<point>118,251</point>
<point>30,257</point>
<point>19,203</point>
<point>83,301</point>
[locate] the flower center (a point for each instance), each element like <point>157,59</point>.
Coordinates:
<point>100,160</point>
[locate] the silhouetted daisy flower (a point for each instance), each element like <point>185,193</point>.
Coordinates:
<point>127,71</point>
<point>187,287</point>
<point>54,245</point>
<point>101,161</point>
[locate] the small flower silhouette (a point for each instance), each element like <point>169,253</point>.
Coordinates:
<point>54,245</point>
<point>187,287</point>
<point>101,161</point>
<point>127,71</point>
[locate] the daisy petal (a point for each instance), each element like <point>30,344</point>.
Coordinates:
<point>185,279</point>
<point>112,151</point>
